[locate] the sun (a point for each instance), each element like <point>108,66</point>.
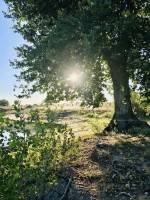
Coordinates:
<point>74,77</point>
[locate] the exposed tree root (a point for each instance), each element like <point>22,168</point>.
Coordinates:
<point>124,125</point>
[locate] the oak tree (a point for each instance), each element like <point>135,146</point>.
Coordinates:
<point>94,33</point>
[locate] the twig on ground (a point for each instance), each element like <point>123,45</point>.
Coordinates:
<point>114,170</point>
<point>66,190</point>
<point>124,194</point>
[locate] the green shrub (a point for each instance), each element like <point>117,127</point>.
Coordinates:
<point>139,105</point>
<point>51,115</point>
<point>33,156</point>
<point>4,102</point>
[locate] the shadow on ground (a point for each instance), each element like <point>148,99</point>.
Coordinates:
<point>66,190</point>
<point>125,165</point>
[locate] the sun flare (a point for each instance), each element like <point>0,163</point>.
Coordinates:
<point>74,77</point>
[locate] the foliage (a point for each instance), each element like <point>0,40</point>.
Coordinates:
<point>51,65</point>
<point>32,151</point>
<point>4,102</point>
<point>51,115</point>
<point>140,105</point>
<point>65,32</point>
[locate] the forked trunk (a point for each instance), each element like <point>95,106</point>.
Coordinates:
<point>124,117</point>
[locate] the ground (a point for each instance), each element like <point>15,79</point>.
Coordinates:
<point>107,166</point>
<point>112,167</point>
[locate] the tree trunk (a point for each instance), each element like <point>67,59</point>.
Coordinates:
<point>124,117</point>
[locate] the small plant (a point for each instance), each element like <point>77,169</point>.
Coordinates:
<point>51,115</point>
<point>31,157</point>
<point>98,125</point>
<point>140,107</point>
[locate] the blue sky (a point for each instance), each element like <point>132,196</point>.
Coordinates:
<point>8,41</point>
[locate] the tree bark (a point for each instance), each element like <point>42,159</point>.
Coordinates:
<point>124,117</point>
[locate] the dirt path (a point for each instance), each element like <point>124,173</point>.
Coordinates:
<point>80,127</point>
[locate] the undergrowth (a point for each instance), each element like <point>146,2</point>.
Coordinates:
<point>31,157</point>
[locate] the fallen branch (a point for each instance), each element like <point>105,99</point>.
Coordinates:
<point>114,169</point>
<point>66,190</point>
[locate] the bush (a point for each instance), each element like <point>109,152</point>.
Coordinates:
<point>4,102</point>
<point>32,156</point>
<point>139,105</point>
